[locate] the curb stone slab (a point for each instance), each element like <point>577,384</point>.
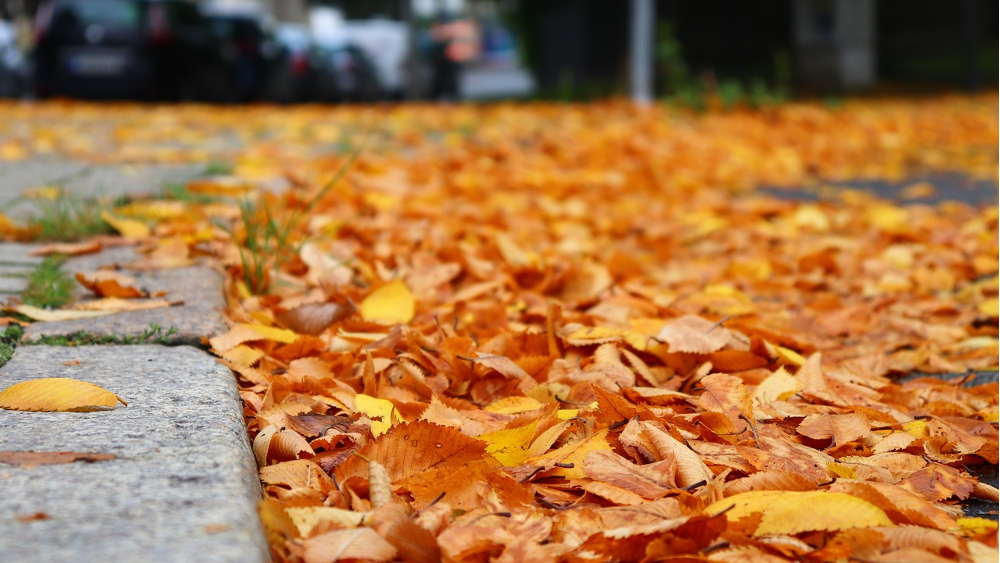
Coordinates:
<point>198,287</point>
<point>183,484</point>
<point>85,180</point>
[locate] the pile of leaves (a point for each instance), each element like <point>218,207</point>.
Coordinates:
<point>576,333</point>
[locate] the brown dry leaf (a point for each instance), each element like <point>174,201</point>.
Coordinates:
<point>118,305</point>
<point>276,444</point>
<point>67,248</point>
<point>33,517</point>
<point>650,481</point>
<point>314,318</point>
<point>30,459</point>
<point>691,470</point>
<point>343,545</point>
<point>409,449</point>
<point>58,394</point>
<point>694,335</point>
<point>110,284</point>
<point>413,542</point>
<point>843,428</point>
<point>726,395</point>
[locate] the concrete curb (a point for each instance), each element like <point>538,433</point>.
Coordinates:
<point>183,484</point>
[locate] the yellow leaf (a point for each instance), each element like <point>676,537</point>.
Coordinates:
<point>271,333</point>
<point>157,210</point>
<point>514,405</point>
<point>510,446</point>
<point>306,518</point>
<point>54,394</point>
<point>916,428</point>
<point>790,356</point>
<point>50,193</point>
<point>976,526</point>
<point>390,304</point>
<point>574,453</point>
<point>841,470</point>
<point>566,414</point>
<point>243,355</point>
<point>889,218</point>
<point>990,307</point>
<point>778,386</point>
<point>378,410</point>
<point>129,228</point>
<point>45,315</point>
<point>811,217</point>
<point>787,513</point>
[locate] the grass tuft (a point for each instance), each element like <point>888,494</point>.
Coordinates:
<point>8,341</point>
<point>48,285</point>
<point>152,335</point>
<point>68,219</point>
<point>267,242</point>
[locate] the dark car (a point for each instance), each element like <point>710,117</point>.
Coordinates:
<point>353,75</point>
<point>248,43</point>
<point>139,49</point>
<point>301,75</point>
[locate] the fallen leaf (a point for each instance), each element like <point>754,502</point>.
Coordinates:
<point>379,410</point>
<point>118,305</point>
<point>792,512</point>
<point>67,249</point>
<point>110,284</point>
<point>389,304</point>
<point>129,228</point>
<point>29,459</point>
<point>53,394</point>
<point>693,334</point>
<point>314,318</point>
<point>342,545</point>
<point>34,517</point>
<point>45,315</point>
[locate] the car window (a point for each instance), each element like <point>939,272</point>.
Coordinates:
<point>183,13</point>
<point>118,14</point>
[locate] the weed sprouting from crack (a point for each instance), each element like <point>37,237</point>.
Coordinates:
<point>8,341</point>
<point>48,285</point>
<point>152,335</point>
<point>68,219</point>
<point>265,241</point>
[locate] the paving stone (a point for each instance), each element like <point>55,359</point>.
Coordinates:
<point>183,485</point>
<point>12,285</point>
<point>12,253</point>
<point>200,289</point>
<point>84,180</point>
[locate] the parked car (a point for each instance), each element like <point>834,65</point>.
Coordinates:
<point>300,77</point>
<point>14,68</point>
<point>354,76</point>
<point>145,49</point>
<point>386,45</point>
<point>248,42</point>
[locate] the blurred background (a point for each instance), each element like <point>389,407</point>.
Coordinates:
<point>300,51</point>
